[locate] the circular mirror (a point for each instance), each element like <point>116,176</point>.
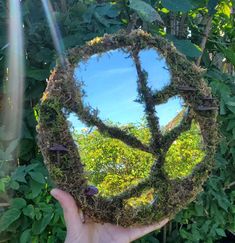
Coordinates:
<point>126,150</point>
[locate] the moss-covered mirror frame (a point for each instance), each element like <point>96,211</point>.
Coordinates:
<point>64,95</point>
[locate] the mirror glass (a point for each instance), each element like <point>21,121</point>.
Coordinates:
<point>185,152</point>
<point>110,84</point>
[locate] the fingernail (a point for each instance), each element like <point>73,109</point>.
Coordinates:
<point>54,192</point>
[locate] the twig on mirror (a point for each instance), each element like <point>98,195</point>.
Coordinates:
<point>146,97</point>
<point>91,119</point>
<point>134,191</point>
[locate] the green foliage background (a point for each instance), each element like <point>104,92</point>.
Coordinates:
<point>33,216</point>
<point>113,166</point>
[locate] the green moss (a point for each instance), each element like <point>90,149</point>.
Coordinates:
<point>56,173</point>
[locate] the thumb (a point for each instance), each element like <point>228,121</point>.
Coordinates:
<point>70,209</point>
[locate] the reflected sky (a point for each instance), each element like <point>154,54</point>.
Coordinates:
<point>110,85</point>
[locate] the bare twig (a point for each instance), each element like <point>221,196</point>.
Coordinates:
<point>172,23</point>
<point>63,5</point>
<point>182,29</point>
<point>229,185</point>
<point>4,205</point>
<point>114,132</point>
<point>205,37</point>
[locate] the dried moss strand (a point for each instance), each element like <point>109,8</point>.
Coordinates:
<point>162,96</point>
<point>145,96</point>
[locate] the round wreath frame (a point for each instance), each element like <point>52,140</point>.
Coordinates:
<point>65,166</point>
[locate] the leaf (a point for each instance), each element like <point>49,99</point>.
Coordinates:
<point>179,5</point>
<point>222,109</point>
<point>145,11</point>
<point>2,186</point>
<point>32,166</point>
<point>38,74</point>
<point>3,183</point>
<point>26,236</point>
<point>36,189</point>
<point>224,8</point>
<point>185,234</point>
<point>72,40</point>
<point>87,17</point>
<point>8,218</point>
<point>37,176</point>
<point>39,226</point>
<point>14,185</point>
<point>101,19</point>
<point>107,10</point>
<point>211,6</point>
<point>18,203</point>
<point>29,211</point>
<point>19,174</point>
<point>231,125</point>
<point>187,48</point>
<point>45,207</point>
<point>38,214</point>
<point>231,108</point>
<point>229,54</point>
<point>220,232</point>
<point>199,210</point>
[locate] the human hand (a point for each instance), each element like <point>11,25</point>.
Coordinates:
<point>90,232</point>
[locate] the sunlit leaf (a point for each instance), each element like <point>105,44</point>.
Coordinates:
<point>179,5</point>
<point>145,11</point>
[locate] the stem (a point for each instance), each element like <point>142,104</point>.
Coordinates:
<point>63,6</point>
<point>182,31</point>
<point>205,38</point>
<point>229,185</point>
<point>4,205</point>
<point>164,234</point>
<point>58,157</point>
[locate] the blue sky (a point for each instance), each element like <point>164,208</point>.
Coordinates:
<point>110,85</point>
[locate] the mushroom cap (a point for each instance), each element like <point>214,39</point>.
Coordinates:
<point>186,88</point>
<point>58,147</point>
<point>91,191</point>
<point>206,108</point>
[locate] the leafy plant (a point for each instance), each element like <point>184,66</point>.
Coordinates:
<point>32,215</point>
